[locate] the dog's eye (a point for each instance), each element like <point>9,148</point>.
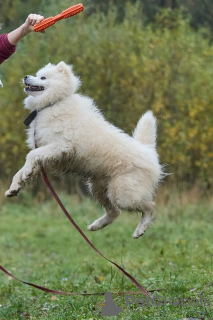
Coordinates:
<point>43,78</point>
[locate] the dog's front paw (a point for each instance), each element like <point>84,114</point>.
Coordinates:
<point>14,189</point>
<point>12,192</point>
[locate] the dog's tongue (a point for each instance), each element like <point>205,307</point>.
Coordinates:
<point>34,88</point>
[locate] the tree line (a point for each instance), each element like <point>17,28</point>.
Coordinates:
<point>13,12</point>
<point>128,67</point>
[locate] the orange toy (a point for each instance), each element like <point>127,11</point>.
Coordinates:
<point>46,23</point>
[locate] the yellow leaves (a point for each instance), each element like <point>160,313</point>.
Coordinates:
<point>192,112</point>
<point>210,155</point>
<point>203,147</point>
<point>173,132</point>
<point>134,59</point>
<point>15,149</point>
<point>182,242</point>
<point>158,106</point>
<point>127,68</point>
<point>99,279</point>
<point>196,108</point>
<point>192,134</point>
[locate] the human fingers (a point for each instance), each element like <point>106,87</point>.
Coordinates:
<point>32,19</point>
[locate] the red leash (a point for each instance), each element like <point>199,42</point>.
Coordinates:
<point>85,237</point>
<point>143,290</point>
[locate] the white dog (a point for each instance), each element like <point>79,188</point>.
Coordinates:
<point>72,135</point>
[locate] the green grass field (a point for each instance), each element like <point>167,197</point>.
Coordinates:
<point>174,257</point>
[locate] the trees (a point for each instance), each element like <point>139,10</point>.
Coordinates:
<point>128,68</point>
<point>201,12</point>
<point>14,12</point>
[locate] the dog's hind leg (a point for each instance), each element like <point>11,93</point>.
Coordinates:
<point>128,193</point>
<point>110,215</point>
<point>146,220</point>
<point>99,191</point>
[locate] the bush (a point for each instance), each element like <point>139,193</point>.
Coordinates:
<point>127,68</point>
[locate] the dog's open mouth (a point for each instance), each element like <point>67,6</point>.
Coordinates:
<point>33,88</point>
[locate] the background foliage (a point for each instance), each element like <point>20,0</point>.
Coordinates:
<point>131,57</point>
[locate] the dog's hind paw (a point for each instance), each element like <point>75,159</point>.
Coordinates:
<point>143,226</point>
<point>137,234</point>
<point>99,223</point>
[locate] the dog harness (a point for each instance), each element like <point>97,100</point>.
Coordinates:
<point>34,114</point>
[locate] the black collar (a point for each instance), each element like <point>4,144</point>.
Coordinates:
<point>33,115</point>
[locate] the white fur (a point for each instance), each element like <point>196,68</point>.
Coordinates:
<point>123,172</point>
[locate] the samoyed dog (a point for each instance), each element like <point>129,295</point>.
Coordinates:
<point>68,133</point>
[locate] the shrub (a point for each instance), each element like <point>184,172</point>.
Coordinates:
<point>127,68</point>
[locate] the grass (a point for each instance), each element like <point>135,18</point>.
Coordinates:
<point>39,245</point>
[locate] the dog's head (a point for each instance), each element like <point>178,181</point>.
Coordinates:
<point>52,82</point>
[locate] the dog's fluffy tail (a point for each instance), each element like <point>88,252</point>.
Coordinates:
<point>146,129</point>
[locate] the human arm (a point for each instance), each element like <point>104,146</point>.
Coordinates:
<point>8,41</point>
<point>6,48</point>
<point>16,35</point>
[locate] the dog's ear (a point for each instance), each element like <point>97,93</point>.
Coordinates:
<point>67,71</point>
<point>63,67</point>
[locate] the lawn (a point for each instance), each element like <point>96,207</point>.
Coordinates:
<point>174,259</point>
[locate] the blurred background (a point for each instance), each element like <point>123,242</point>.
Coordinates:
<point>131,56</point>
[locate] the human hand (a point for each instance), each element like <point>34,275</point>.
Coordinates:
<point>31,20</point>
<point>16,35</point>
